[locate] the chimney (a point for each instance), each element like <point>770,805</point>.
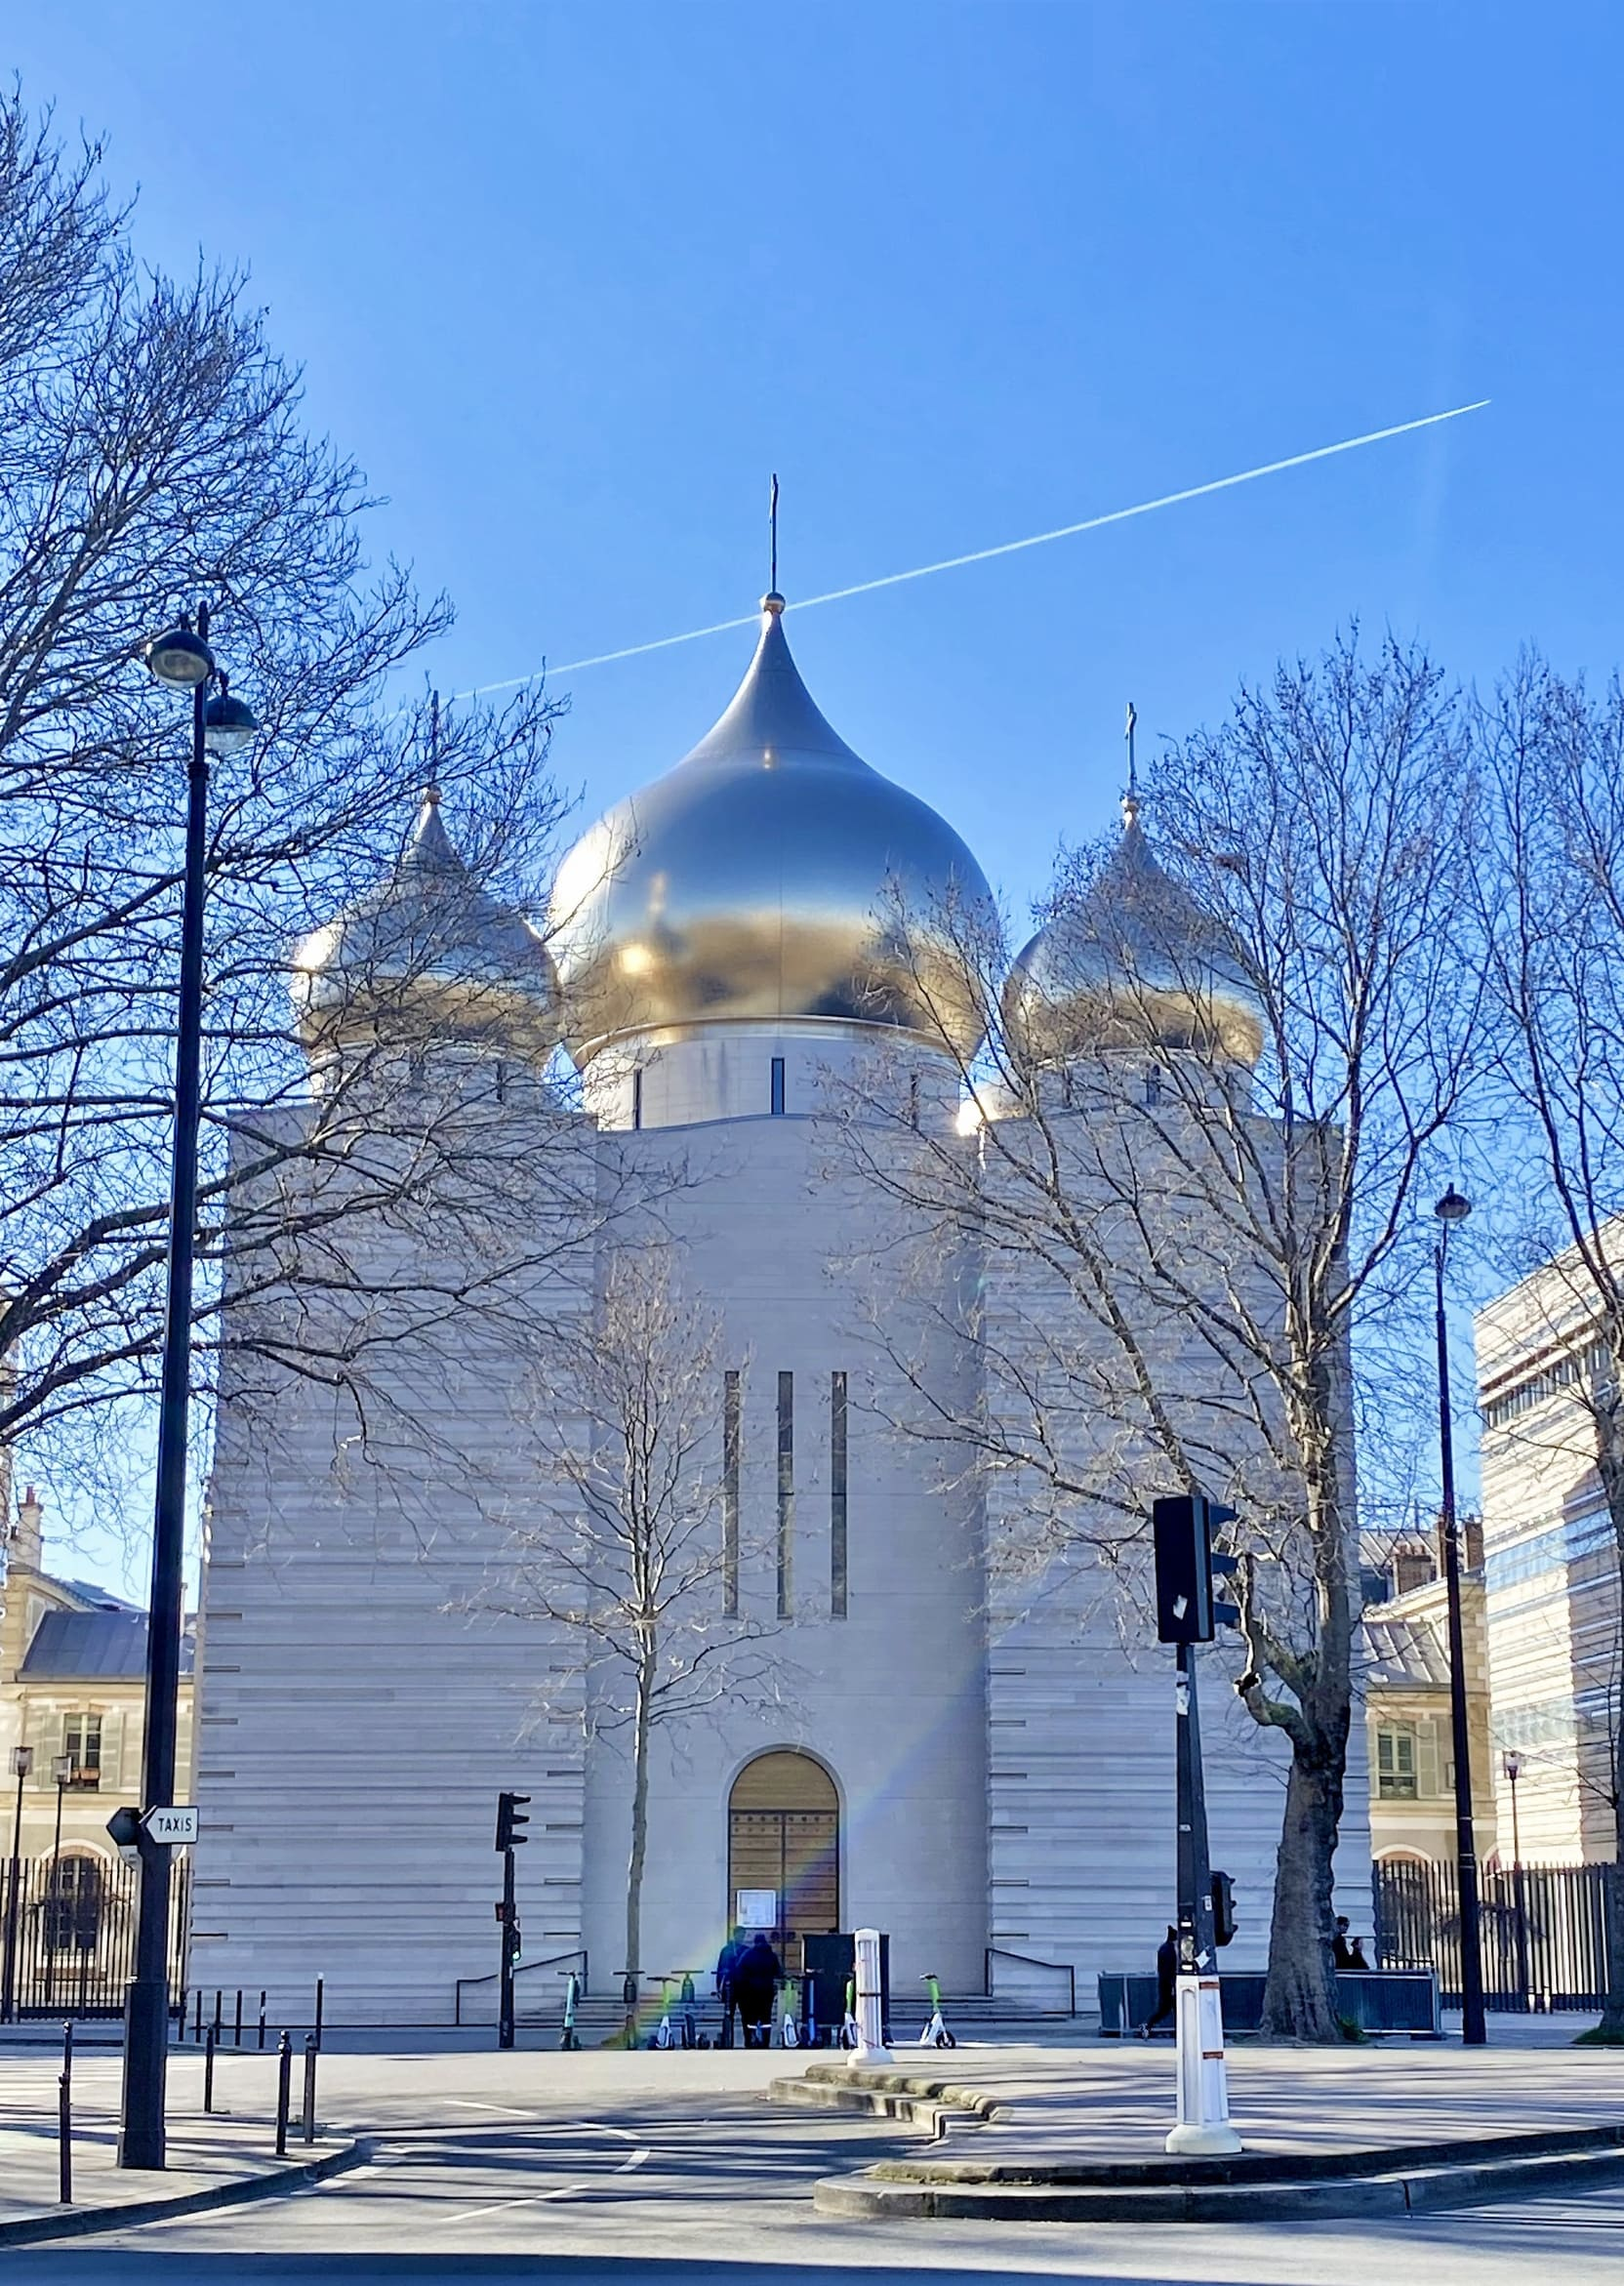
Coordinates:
<point>28,1533</point>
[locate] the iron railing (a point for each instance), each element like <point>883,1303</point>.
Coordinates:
<point>1544,1930</point>
<point>541,2012</point>
<point>1019,1983</point>
<point>76,1933</point>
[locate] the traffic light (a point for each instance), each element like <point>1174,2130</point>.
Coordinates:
<point>509,1819</point>
<point>1183,1527</point>
<point>1223,1908</point>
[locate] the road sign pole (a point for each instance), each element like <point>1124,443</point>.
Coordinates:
<point>1204,2121</point>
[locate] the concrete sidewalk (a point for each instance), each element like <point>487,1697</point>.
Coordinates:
<point>213,2161</point>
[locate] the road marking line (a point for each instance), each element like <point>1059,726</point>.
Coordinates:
<point>541,2198</point>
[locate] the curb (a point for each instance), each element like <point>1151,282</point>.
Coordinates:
<point>934,2104</point>
<point>84,2221</point>
<point>1009,2194</point>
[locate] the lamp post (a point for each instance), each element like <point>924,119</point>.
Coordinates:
<point>182,660</point>
<point>1511,1764</point>
<point>62,1770</point>
<point>1451,1208</point>
<point>22,1762</point>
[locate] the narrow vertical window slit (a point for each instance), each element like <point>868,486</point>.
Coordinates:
<point>837,1495</point>
<point>730,1496</point>
<point>786,1492</point>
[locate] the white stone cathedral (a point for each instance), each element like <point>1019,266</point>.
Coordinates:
<point>983,1774</point>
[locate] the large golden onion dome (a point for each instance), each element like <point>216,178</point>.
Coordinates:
<point>1136,963</point>
<point>772,875</point>
<point>427,955</point>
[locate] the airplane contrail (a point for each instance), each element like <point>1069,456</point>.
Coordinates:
<point>923,571</point>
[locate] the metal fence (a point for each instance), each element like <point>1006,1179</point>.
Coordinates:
<point>1544,1930</point>
<point>76,1933</point>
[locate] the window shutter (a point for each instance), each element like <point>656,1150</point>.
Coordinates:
<point>1428,1775</point>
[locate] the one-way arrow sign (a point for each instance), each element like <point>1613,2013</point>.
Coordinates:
<point>173,1826</point>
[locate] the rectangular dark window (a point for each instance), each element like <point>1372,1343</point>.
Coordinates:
<point>786,1492</point>
<point>912,1099</point>
<point>778,1087</point>
<point>1395,1773</point>
<point>637,1097</point>
<point>82,1745</point>
<point>730,1496</point>
<point>837,1495</point>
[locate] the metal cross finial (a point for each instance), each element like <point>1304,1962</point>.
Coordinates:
<point>772,539</point>
<point>1134,767</point>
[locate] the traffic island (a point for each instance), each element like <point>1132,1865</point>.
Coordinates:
<point>931,2103</point>
<point>1260,2187</point>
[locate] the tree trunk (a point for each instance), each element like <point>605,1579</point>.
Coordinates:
<point>1299,2001</point>
<point>639,1824</point>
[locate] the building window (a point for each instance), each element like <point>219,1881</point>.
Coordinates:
<point>778,1087</point>
<point>73,1904</point>
<point>912,1099</point>
<point>837,1495</point>
<point>730,1496</point>
<point>82,1745</point>
<point>1396,1763</point>
<point>1153,1088</point>
<point>786,1492</point>
<point>637,1097</point>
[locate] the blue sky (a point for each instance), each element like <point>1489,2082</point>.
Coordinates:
<point>570,280</point>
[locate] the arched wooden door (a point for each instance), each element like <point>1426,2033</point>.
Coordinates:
<point>783,1837</point>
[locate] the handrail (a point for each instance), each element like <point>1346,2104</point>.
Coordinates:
<point>524,1968</point>
<point>1028,1960</point>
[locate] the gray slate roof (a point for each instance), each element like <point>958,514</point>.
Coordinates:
<point>1405,1653</point>
<point>102,1647</point>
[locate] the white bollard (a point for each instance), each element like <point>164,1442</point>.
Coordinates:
<point>871,2020</point>
<point>1203,2130</point>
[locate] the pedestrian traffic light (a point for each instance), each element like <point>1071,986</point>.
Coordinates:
<point>1182,1528</point>
<point>1223,1908</point>
<point>509,1819</point>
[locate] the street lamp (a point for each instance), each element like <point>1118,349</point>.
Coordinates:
<point>1511,1764</point>
<point>62,1770</point>
<point>22,1762</point>
<point>182,659</point>
<point>1451,1208</point>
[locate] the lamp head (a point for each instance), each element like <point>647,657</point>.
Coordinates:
<point>1513,1764</point>
<point>23,1760</point>
<point>229,723</point>
<point>180,658</point>
<point>61,1769</point>
<point>1453,1206</point>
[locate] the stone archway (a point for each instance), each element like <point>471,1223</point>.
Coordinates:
<point>783,1836</point>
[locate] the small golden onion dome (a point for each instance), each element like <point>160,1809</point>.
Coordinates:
<point>426,957</point>
<point>772,875</point>
<point>1136,963</point>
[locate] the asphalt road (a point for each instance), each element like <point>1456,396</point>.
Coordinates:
<point>656,2192</point>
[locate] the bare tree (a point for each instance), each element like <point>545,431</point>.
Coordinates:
<point>1205,1110</point>
<point>151,453</point>
<point>629,1556</point>
<point>1553,899</point>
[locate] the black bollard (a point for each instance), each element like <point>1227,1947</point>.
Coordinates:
<point>262,2020</point>
<point>210,2042</point>
<point>284,2090</point>
<point>237,2028</point>
<point>320,1988</point>
<point>64,2121</point>
<point>311,2051</point>
<point>197,2018</point>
